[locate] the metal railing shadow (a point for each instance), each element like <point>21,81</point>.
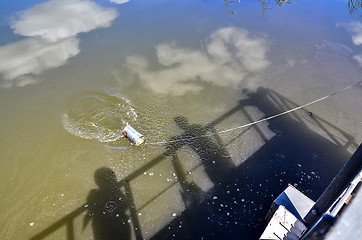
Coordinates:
<point>330,131</point>
<point>267,101</point>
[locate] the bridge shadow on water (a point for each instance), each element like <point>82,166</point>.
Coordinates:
<point>299,148</point>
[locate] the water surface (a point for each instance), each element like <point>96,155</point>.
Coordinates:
<point>74,73</point>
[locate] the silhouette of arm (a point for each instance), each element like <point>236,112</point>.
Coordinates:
<point>90,212</point>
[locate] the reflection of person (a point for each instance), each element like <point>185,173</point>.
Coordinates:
<point>107,207</point>
<point>205,142</point>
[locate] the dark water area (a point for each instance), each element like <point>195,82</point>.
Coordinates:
<point>238,204</point>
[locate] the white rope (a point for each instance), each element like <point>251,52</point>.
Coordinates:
<point>261,120</point>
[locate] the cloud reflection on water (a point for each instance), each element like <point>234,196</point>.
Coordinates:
<point>358,58</point>
<point>355,28</point>
<point>34,55</point>
<point>228,60</point>
<point>52,28</point>
<point>119,1</point>
<point>59,19</point>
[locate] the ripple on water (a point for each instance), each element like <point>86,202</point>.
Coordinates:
<point>110,206</point>
<point>98,116</point>
<point>102,117</point>
<point>280,157</point>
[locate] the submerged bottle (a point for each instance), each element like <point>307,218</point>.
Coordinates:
<point>133,135</point>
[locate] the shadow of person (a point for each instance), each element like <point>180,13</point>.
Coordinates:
<point>204,141</point>
<point>261,99</point>
<point>107,207</point>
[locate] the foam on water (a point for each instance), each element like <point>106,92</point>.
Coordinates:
<point>99,116</point>
<point>102,117</point>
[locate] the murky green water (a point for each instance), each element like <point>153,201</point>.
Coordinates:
<point>74,73</point>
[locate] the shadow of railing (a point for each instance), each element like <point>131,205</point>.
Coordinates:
<point>313,121</point>
<point>215,159</point>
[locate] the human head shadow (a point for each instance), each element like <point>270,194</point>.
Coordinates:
<point>108,207</point>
